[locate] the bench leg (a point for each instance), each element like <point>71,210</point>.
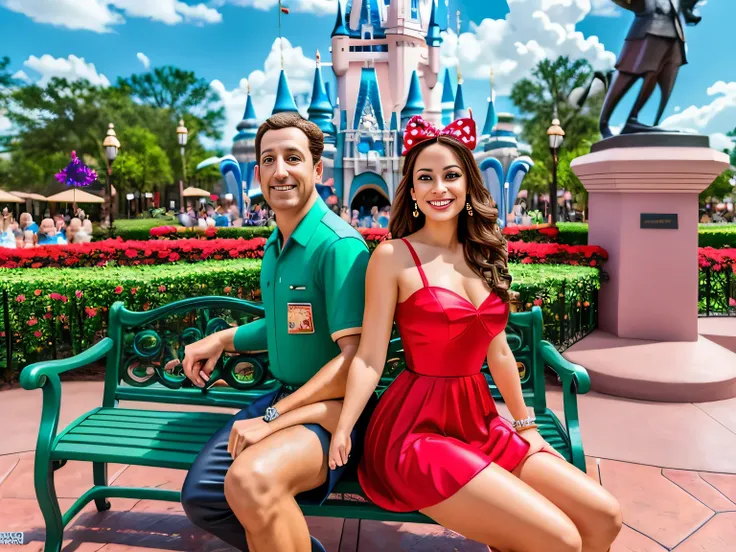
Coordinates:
<point>99,475</point>
<point>49,504</point>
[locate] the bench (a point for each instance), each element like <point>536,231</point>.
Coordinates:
<point>136,352</point>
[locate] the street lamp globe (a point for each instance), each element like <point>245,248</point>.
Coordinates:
<point>556,134</point>
<point>111,144</point>
<point>182,132</point>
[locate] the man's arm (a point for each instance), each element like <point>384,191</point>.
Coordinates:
<point>328,383</point>
<point>249,337</point>
<point>342,276</point>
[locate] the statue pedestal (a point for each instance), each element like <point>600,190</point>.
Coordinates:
<point>643,203</point>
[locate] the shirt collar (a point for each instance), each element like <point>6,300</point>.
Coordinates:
<point>306,227</point>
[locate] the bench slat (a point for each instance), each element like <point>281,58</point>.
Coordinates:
<point>133,442</point>
<point>135,426</point>
<point>141,434</point>
<point>192,421</point>
<point>162,414</point>
<point>122,455</point>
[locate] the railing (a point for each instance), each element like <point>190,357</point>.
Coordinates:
<point>717,292</point>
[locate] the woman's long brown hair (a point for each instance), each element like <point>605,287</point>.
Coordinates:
<point>485,248</point>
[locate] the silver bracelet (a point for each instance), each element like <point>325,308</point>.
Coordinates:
<point>517,424</point>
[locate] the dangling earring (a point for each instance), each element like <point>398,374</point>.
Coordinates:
<point>416,210</point>
<point>469,208</point>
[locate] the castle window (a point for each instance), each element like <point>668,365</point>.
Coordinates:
<point>415,9</point>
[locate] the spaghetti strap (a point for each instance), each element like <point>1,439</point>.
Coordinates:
<point>416,261</point>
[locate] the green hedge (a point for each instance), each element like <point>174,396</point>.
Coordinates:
<point>54,313</point>
<point>63,311</point>
<point>576,233</point>
<point>133,229</point>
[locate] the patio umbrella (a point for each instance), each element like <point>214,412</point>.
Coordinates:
<point>26,195</point>
<point>7,197</point>
<point>75,196</point>
<point>195,192</point>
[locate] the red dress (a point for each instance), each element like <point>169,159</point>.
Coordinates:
<point>436,426</point>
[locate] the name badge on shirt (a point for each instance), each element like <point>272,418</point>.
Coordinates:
<point>300,318</point>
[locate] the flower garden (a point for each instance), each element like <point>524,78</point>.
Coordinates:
<point>59,308</point>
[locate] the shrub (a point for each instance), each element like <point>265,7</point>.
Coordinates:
<point>58,312</point>
<point>718,237</point>
<point>125,253</point>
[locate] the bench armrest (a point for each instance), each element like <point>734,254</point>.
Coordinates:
<point>575,381</point>
<point>35,375</point>
<point>568,372</point>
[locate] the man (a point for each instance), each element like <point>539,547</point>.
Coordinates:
<point>654,50</point>
<point>313,288</point>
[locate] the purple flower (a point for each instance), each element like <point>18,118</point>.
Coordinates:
<point>76,173</point>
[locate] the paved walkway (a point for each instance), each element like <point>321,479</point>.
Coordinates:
<point>672,467</point>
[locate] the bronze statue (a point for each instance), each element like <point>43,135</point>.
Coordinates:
<point>654,50</point>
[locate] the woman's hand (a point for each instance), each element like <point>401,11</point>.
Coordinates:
<point>246,433</point>
<point>537,442</point>
<point>339,449</point>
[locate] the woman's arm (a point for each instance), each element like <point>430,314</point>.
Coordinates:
<point>253,430</point>
<point>502,365</point>
<point>381,293</point>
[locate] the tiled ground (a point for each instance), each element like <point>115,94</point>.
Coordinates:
<point>681,507</point>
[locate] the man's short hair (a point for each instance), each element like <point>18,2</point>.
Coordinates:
<point>293,119</point>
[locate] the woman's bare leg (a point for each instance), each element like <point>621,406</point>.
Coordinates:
<point>498,509</point>
<point>593,510</point>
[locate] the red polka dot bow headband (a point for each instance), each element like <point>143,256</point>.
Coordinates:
<point>418,130</point>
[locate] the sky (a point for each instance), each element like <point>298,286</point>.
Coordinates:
<point>233,43</point>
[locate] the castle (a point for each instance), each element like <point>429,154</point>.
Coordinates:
<point>386,60</point>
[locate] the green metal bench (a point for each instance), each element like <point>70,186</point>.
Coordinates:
<point>136,353</point>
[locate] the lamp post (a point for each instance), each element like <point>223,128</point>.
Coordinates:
<point>556,135</point>
<point>181,134</point>
<point>111,145</point>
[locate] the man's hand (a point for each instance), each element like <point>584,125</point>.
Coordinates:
<point>340,447</point>
<point>246,433</point>
<point>201,357</point>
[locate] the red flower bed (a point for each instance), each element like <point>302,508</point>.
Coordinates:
<point>717,259</point>
<point>555,253</point>
<point>124,253</point>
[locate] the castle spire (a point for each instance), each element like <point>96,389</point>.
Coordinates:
<point>491,116</point>
<point>284,99</point>
<point>414,103</point>
<point>433,31</point>
<point>320,108</point>
<point>339,29</point>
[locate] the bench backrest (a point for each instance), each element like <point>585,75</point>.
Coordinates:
<point>149,346</point>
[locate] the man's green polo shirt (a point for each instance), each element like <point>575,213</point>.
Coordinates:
<point>313,293</point>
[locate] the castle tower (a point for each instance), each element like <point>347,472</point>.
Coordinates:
<point>284,99</point>
<point>491,117</point>
<point>320,108</point>
<point>448,99</point>
<point>244,143</point>
<point>414,104</point>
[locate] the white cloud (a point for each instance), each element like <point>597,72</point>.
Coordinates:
<point>605,8</point>
<point>101,15</point>
<point>72,68</point>
<point>317,7</point>
<point>703,118</point>
<point>21,76</point>
<point>299,71</point>
<point>532,30</point>
<point>721,142</point>
<point>714,119</point>
<point>143,58</point>
<point>4,123</point>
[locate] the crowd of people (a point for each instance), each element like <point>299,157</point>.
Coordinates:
<point>211,216</point>
<point>56,230</point>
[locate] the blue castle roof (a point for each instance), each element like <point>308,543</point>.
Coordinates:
<point>369,98</point>
<point>284,99</point>
<point>339,29</point>
<point>491,118</point>
<point>447,93</point>
<point>459,109</point>
<point>320,108</point>
<point>433,32</point>
<point>414,103</point>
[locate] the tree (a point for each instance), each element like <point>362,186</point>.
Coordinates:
<point>142,165</point>
<point>181,92</point>
<point>550,86</point>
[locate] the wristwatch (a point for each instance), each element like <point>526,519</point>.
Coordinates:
<point>271,414</point>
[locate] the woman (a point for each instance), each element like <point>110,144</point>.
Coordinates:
<point>435,442</point>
